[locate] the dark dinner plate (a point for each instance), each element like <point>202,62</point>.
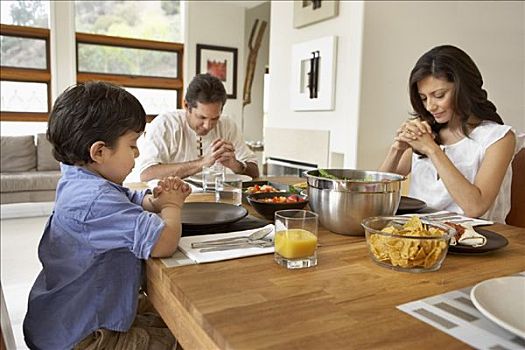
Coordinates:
<point>209,214</point>
<point>494,241</point>
<point>410,205</point>
<point>246,223</point>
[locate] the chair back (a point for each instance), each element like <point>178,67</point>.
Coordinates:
<point>516,216</point>
<point>7,339</point>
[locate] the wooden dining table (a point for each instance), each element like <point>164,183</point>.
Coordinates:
<point>345,302</point>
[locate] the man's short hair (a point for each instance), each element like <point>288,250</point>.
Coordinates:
<point>89,112</point>
<point>205,88</point>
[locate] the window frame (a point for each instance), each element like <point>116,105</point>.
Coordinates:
<point>35,75</point>
<point>134,81</point>
<point>28,75</point>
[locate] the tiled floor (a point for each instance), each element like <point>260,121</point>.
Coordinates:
<point>19,238</point>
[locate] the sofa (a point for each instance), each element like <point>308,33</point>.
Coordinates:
<point>28,171</point>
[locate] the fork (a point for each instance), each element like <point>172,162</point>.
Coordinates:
<point>445,218</point>
<point>439,216</point>
<point>457,221</point>
<point>245,241</point>
<point>257,235</point>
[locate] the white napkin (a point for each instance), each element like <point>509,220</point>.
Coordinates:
<point>198,257</point>
<point>457,218</point>
<point>177,259</point>
<point>470,238</point>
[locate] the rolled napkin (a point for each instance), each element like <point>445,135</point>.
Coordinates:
<point>196,255</point>
<point>467,237</point>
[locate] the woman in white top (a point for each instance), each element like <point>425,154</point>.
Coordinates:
<point>456,146</point>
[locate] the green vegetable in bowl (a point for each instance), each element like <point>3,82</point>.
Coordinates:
<point>326,174</point>
<point>296,190</point>
<point>293,189</point>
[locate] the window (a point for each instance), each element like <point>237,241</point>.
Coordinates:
<point>121,60</point>
<point>149,20</point>
<point>26,77</point>
<point>24,97</point>
<point>156,101</point>
<point>26,13</point>
<point>133,44</point>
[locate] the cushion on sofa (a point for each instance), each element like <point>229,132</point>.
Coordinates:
<point>18,153</point>
<point>44,153</point>
<point>29,181</point>
<point>27,197</point>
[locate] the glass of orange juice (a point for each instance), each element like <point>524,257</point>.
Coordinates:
<point>296,238</point>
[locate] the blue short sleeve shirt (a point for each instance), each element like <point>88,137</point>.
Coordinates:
<point>92,252</point>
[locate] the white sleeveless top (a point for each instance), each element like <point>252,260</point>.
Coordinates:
<point>467,155</point>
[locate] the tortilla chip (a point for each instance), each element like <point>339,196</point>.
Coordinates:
<point>409,252</point>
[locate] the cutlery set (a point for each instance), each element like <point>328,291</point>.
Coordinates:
<point>254,240</point>
<point>252,244</point>
<point>448,216</point>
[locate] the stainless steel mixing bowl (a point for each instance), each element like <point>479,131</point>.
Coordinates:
<point>343,204</point>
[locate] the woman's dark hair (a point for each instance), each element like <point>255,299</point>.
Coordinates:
<point>454,65</point>
<point>89,112</point>
<point>205,88</point>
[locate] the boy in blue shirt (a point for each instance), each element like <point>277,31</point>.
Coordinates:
<point>99,234</point>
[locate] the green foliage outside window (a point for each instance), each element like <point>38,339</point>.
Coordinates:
<point>151,20</point>
<point>26,13</point>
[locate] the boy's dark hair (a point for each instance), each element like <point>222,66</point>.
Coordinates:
<point>205,88</point>
<point>89,112</point>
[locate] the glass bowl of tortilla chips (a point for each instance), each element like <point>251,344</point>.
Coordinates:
<point>407,243</point>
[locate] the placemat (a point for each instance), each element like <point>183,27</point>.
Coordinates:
<point>197,255</point>
<point>455,314</point>
<point>186,255</point>
<point>177,259</point>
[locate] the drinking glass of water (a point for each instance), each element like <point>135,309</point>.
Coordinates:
<point>210,174</point>
<point>228,189</point>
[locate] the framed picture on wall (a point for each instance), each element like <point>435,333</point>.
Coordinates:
<point>220,62</point>
<point>308,12</point>
<point>312,85</point>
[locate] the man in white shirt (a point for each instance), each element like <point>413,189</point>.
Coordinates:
<point>180,143</point>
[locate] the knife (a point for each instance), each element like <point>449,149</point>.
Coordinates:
<point>438,216</point>
<point>446,218</point>
<point>257,244</point>
<point>256,235</point>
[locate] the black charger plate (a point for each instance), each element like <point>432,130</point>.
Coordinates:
<point>246,223</point>
<point>210,214</point>
<point>410,205</point>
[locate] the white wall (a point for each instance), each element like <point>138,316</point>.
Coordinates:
<point>396,34</point>
<point>63,50</point>
<point>342,121</point>
<point>378,43</point>
<point>220,24</point>
<point>253,112</point>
